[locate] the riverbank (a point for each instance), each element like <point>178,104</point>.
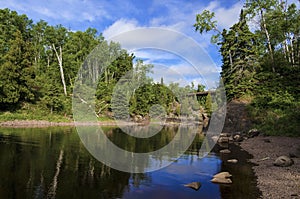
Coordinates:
<point>41,123</point>
<point>275,182</point>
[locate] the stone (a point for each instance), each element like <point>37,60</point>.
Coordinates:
<point>237,138</point>
<point>232,161</point>
<point>224,174</point>
<point>253,133</point>
<point>194,185</point>
<point>224,135</point>
<point>215,138</point>
<point>225,151</point>
<point>222,177</point>
<point>222,180</point>
<point>223,140</point>
<point>283,161</point>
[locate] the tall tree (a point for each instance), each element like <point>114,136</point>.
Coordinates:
<point>240,59</point>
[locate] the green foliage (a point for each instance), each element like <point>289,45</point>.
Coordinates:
<point>240,59</point>
<point>263,65</point>
<point>39,64</point>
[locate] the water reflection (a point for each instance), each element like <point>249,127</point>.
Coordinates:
<point>53,163</point>
<point>137,155</point>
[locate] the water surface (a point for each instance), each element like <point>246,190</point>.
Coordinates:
<point>53,163</point>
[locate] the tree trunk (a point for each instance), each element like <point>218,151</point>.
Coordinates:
<point>59,59</point>
<point>230,59</point>
<point>264,25</point>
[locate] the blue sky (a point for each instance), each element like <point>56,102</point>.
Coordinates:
<point>113,17</point>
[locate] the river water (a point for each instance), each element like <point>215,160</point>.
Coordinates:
<point>53,163</point>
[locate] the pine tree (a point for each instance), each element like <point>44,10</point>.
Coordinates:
<point>240,60</point>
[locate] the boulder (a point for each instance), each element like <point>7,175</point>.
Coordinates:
<point>224,135</point>
<point>232,161</point>
<point>222,180</point>
<point>253,133</point>
<point>215,138</point>
<point>237,137</point>
<point>224,174</point>
<point>283,161</point>
<point>223,140</point>
<point>194,185</point>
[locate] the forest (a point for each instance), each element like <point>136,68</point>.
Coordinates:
<point>260,65</point>
<point>39,64</point>
<point>261,62</point>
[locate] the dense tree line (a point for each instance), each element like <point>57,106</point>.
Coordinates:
<point>262,64</point>
<point>39,63</point>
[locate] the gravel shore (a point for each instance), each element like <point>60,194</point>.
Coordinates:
<point>275,182</point>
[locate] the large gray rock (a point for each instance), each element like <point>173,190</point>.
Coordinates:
<point>283,161</point>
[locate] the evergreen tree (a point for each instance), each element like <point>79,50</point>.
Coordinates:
<point>240,59</point>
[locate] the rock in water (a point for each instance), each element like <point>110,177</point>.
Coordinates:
<point>283,161</point>
<point>232,161</point>
<point>194,185</point>
<point>225,151</point>
<point>222,180</point>
<point>223,175</point>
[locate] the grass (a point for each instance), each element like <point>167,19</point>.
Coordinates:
<point>277,122</point>
<point>30,112</point>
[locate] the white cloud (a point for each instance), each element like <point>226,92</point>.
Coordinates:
<point>63,10</point>
<point>226,17</point>
<point>120,26</point>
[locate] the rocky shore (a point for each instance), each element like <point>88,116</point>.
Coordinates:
<point>274,182</point>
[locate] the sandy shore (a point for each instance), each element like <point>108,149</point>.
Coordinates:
<point>275,182</point>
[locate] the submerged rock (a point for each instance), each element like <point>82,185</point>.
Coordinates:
<point>194,185</point>
<point>283,161</point>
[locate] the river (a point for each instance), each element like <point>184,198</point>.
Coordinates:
<point>53,163</point>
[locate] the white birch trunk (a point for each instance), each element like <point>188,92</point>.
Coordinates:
<point>59,59</point>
